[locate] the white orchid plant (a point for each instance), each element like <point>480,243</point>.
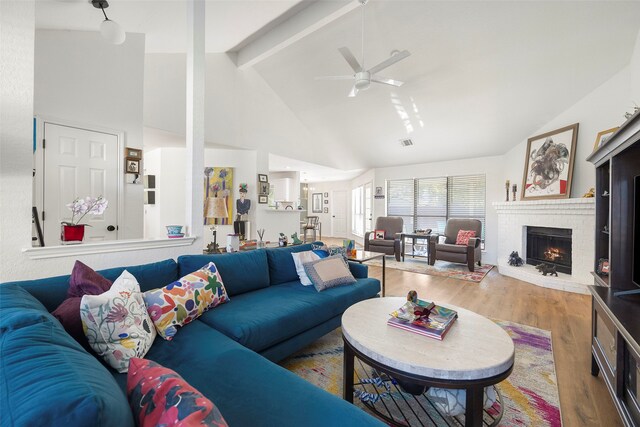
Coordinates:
<point>81,207</point>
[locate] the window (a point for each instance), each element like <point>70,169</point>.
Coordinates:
<point>430,202</point>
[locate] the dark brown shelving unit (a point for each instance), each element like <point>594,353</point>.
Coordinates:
<point>615,339</point>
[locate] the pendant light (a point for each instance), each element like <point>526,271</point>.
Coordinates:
<point>110,30</point>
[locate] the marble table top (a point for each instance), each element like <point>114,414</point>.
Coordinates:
<point>474,348</point>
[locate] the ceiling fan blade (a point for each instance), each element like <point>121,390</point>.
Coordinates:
<point>334,78</point>
<point>389,61</point>
<point>353,93</point>
<point>386,81</point>
<point>346,53</point>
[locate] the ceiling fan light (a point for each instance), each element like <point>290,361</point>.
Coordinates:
<point>112,32</point>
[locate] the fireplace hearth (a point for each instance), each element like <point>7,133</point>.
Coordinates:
<point>549,245</point>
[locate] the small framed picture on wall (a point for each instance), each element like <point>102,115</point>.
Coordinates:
<point>263,178</point>
<point>326,194</point>
<point>262,199</point>
<point>326,210</point>
<point>132,166</point>
<point>133,153</point>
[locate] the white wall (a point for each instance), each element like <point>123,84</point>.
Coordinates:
<point>601,109</point>
<point>81,78</point>
<point>241,110</point>
<point>635,72</point>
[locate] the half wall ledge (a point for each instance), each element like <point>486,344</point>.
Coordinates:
<point>105,247</point>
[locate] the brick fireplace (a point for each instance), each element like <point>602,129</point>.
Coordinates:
<point>559,232</point>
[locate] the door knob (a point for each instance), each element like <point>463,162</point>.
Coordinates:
<point>111,228</point>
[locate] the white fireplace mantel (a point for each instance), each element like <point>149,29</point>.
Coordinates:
<point>575,214</point>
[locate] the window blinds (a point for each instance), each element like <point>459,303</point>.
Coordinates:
<point>429,202</point>
<point>400,201</point>
<point>466,198</point>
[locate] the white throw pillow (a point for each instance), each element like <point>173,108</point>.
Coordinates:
<point>117,324</point>
<point>301,258</point>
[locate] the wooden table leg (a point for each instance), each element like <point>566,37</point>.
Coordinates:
<point>474,413</point>
<point>347,373</point>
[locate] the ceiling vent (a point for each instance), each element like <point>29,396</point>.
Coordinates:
<point>406,142</point>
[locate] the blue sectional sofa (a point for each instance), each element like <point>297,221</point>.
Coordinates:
<point>47,378</point>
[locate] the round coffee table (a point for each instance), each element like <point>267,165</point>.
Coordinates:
<point>474,354</point>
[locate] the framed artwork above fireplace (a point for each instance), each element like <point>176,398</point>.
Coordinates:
<point>549,164</point>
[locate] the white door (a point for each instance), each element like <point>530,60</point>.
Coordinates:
<point>79,163</point>
<point>339,213</point>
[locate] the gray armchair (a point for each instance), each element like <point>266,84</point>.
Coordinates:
<point>449,251</point>
<point>390,245</point>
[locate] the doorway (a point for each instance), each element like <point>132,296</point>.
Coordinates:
<point>77,162</point>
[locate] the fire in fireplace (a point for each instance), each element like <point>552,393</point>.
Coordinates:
<point>551,246</point>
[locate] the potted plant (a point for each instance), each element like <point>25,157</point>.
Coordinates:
<point>73,231</point>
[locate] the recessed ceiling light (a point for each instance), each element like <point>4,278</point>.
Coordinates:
<point>288,167</point>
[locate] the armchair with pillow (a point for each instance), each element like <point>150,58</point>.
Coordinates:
<point>462,243</point>
<point>390,244</point>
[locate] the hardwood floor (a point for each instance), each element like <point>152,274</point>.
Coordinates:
<point>584,399</point>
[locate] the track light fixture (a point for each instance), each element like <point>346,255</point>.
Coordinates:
<point>110,30</point>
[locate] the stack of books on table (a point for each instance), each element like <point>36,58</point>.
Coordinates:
<point>436,325</point>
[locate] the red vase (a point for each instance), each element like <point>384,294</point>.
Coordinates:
<point>72,233</point>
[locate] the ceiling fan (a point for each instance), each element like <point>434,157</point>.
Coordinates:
<point>363,77</point>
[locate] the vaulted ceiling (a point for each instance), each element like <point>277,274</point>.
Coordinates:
<point>482,75</point>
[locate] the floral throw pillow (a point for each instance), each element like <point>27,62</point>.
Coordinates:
<point>463,236</point>
<point>184,300</point>
<point>116,322</point>
<point>159,396</point>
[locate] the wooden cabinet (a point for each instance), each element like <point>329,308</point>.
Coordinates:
<point>615,350</point>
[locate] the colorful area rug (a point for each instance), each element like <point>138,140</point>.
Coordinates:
<point>441,268</point>
<point>530,393</point>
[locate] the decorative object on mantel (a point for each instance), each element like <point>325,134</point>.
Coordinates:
<point>514,189</point>
<point>628,115</point>
<point>545,269</point>
<point>295,240</point>
<point>260,232</point>
<point>72,232</point>
<point>506,186</point>
<point>590,193</point>
<point>282,240</point>
<point>603,137</point>
<point>549,164</point>
<point>515,260</point>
